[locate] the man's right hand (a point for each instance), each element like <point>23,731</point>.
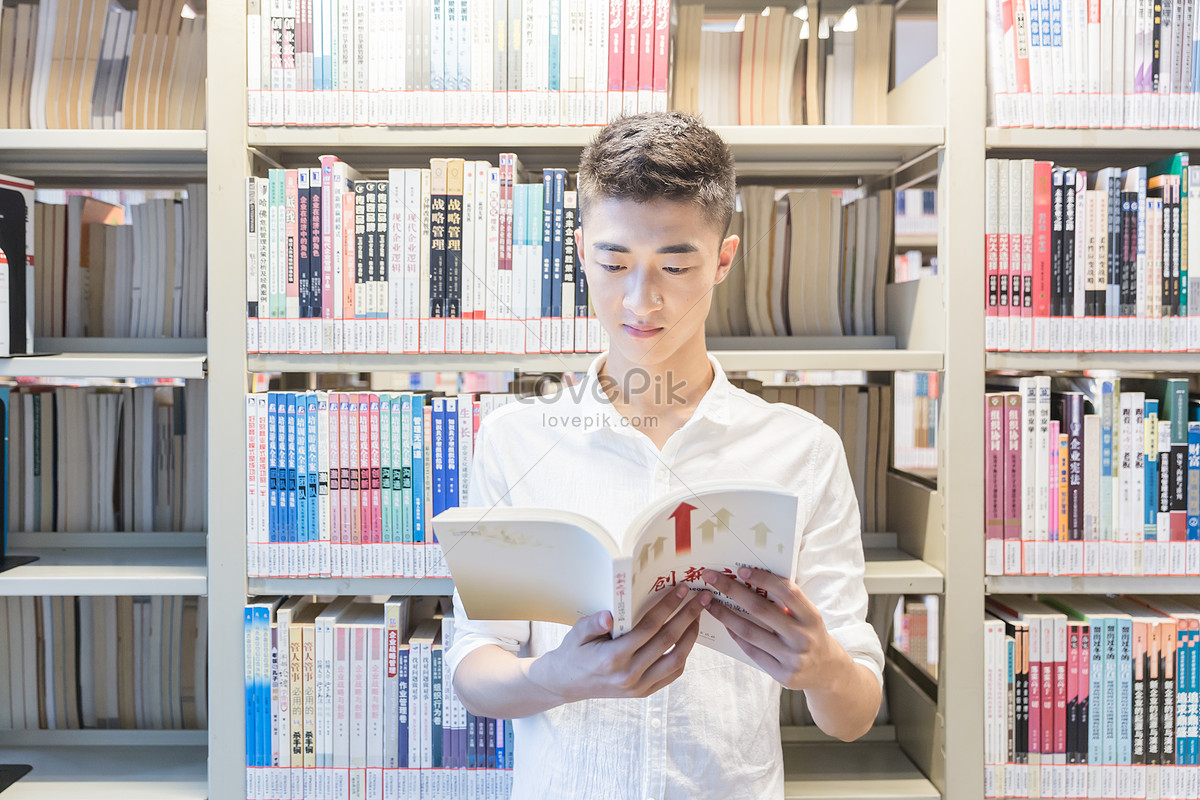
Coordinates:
<point>590,663</point>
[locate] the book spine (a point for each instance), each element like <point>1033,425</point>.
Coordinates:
<point>993,484</point>
<point>546,249</point>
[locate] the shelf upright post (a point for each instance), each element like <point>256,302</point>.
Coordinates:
<point>960,479</point>
<point>228,166</point>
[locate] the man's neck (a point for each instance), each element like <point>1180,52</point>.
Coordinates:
<point>668,389</point>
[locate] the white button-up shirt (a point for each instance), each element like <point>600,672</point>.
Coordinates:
<point>714,732</point>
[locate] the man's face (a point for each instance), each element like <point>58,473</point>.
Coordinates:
<point>650,269</point>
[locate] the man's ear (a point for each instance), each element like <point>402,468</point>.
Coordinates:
<point>579,259</point>
<point>728,250</point>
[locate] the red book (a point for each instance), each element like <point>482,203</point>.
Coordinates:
<point>335,482</point>
<point>376,489</point>
<point>1012,483</point>
<point>1085,689</point>
<point>633,10</point>
<point>616,56</point>
<point>662,52</point>
<point>1041,254</point>
<point>1035,684</point>
<point>993,483</point>
<point>1074,631</point>
<point>646,57</point>
<point>1061,657</point>
<point>366,524</point>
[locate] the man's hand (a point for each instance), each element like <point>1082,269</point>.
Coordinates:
<point>589,663</point>
<point>787,637</point>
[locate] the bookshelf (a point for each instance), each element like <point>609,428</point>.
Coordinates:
<point>934,748</point>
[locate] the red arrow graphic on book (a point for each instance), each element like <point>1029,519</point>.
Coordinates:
<point>683,528</point>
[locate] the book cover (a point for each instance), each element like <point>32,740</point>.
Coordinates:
<point>558,566</point>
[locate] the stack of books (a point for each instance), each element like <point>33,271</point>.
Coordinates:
<point>102,64</point>
<point>353,698</point>
<point>1091,697</point>
<point>1092,261</point>
<point>1101,478</point>
<point>69,663</point>
<point>1093,64</point>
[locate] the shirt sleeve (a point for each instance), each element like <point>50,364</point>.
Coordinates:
<point>489,487</point>
<point>830,565</point>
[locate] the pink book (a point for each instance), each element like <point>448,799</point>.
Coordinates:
<point>376,489</point>
<point>291,232</point>
<point>364,480</point>
<point>616,56</point>
<point>1085,687</point>
<point>1042,230</point>
<point>1052,511</point>
<point>507,161</point>
<point>1074,655</point>
<point>348,261</point>
<point>1048,688</point>
<point>1061,659</point>
<point>993,484</point>
<point>335,510</point>
<point>1035,684</point>
<point>344,442</point>
<point>327,163</point>
<point>646,57</point>
<point>633,11</point>
<point>1012,483</point>
<point>662,51</point>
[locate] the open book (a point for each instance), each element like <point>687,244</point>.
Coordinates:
<point>558,566</point>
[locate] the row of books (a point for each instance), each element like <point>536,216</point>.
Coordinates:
<point>458,258</point>
<point>1111,492</point>
<point>915,630</point>
<point>917,402</point>
<point>344,484</point>
<point>810,263</point>
<point>916,212</point>
<point>17,242</point>
<point>1092,261</point>
<point>912,265</point>
<point>107,459</point>
<point>352,699</point>
<point>99,276</point>
<point>1094,63</point>
<point>1091,697</point>
<point>861,416</point>
<point>102,64</point>
<point>784,68</point>
<point>68,663</point>
<point>429,62</point>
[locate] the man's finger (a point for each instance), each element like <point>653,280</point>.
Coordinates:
<point>655,618</point>
<point>767,613</point>
<point>670,633</point>
<point>668,666</point>
<point>745,629</point>
<point>784,592</point>
<point>590,628</point>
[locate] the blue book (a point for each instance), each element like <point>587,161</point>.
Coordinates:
<point>251,689</point>
<point>472,759</point>
<point>508,737</point>
<point>405,502</point>
<point>272,475</point>
<point>501,742</point>
<point>302,482</point>
<point>1107,417</point>
<point>450,441</point>
<point>1150,510</point>
<point>1109,696</point>
<point>556,257</point>
<point>555,46</point>
<point>438,451</point>
<point>293,534</point>
<point>547,242</point>
<point>418,468</point>
<point>1193,482</point>
<point>314,503</point>
<point>385,475</point>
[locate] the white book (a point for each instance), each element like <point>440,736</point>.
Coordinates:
<point>533,49</point>
<point>1070,45</point>
<point>395,623</point>
<point>1057,106</point>
<point>288,65</point>
<point>376,57</point>
<point>466,111</point>
<point>375,711</point>
<point>345,65</point>
<point>253,64</point>
<point>411,294</point>
<point>484,17</point>
<point>515,105</point>
<point>423,254</point>
<point>360,112</point>
<point>396,216</point>
<point>1138,479</point>
<point>1106,59</point>
<point>1094,53</point>
<point>1041,472</point>
<point>599,12</point>
<point>1122,523</point>
<point>996,65</point>
<point>1119,17</point>
<point>1193,244</point>
<point>324,531</point>
<point>466,254</point>
<point>1037,72</point>
<point>479,260</point>
<point>262,247</point>
<point>252,265</point>
<point>436,112</point>
<point>493,314</point>
<point>343,667</point>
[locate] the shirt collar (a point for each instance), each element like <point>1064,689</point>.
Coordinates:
<point>713,406</point>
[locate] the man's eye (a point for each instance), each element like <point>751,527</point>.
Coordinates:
<point>611,267</point>
<point>676,270</point>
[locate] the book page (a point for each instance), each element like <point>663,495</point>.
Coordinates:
<point>528,563</point>
<point>715,525</point>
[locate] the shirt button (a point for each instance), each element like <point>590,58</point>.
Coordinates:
<point>656,723</point>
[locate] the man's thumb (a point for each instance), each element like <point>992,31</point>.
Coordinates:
<point>597,625</point>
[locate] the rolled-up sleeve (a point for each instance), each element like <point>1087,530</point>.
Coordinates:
<point>488,488</point>
<point>830,566</point>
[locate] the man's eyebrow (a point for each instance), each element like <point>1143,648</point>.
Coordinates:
<point>670,249</point>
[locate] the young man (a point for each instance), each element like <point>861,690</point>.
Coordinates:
<point>645,715</point>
